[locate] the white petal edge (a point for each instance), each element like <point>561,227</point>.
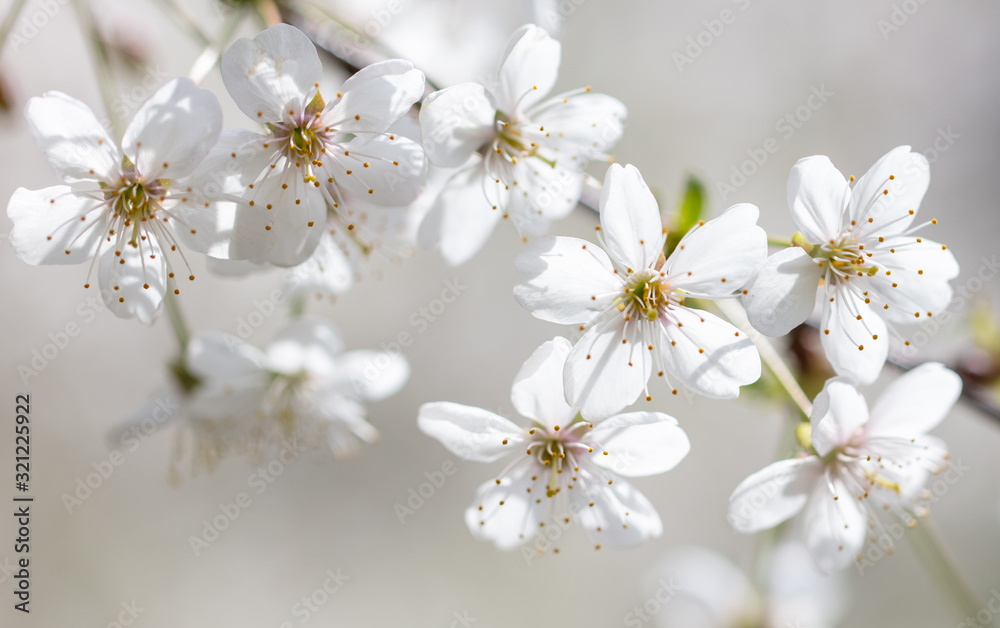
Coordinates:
<point>468,432</point>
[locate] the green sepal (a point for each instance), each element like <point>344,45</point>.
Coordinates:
<point>799,240</point>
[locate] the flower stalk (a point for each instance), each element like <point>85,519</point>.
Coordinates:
<point>940,566</point>
<point>768,355</point>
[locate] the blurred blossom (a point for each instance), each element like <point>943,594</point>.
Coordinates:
<point>711,592</point>
<point>859,467</point>
<point>302,388</point>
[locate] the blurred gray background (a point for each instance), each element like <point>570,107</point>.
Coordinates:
<point>930,76</point>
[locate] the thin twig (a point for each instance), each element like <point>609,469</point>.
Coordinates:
<point>177,322</point>
<point>210,56</point>
<point>768,354</point>
<point>941,567</point>
<point>185,20</point>
<point>102,65</point>
<point>354,50</point>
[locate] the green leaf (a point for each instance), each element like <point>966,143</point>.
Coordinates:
<point>687,214</point>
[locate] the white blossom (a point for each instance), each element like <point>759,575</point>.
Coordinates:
<point>870,269</point>
<point>315,155</point>
<point>127,210</point>
<point>303,388</point>
<point>630,302</point>
<point>863,463</point>
<point>515,153</point>
<point>564,469</point>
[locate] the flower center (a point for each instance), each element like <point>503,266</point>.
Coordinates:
<point>135,201</point>
<point>551,448</point>
<point>512,144</point>
<point>303,141</point>
<point>644,295</point>
<point>845,257</point>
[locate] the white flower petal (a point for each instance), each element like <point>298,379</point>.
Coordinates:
<point>919,280</point>
<point>54,213</point>
<point>603,374</point>
<point>707,354</point>
<point>299,220</point>
<point>782,293</point>
<point>274,73</point>
<point>613,514</point>
<point>912,465</point>
<point>77,146</point>
<point>639,443</point>
<point>233,381</point>
<point>834,528</point>
<point>916,402</point>
<point>565,280</point>
<point>538,386</point>
<point>716,259</point>
<point>135,288</point>
<point>470,433</point>
<point>712,591</point>
<point>542,194</point>
<point>373,375</point>
<point>587,125</point>
<point>630,219</point>
<point>838,410</point>
<point>799,593</point>
<point>514,521</point>
<point>455,122</point>
<point>774,494</point>
<point>528,70</point>
<point>328,270</point>
<point>346,427</point>
<point>251,239</point>
<point>461,219</point>
<point>234,268</point>
<point>173,130</point>
<point>309,345</point>
<point>386,172</point>
<point>847,334</point>
<point>376,97</point>
<point>817,196</point>
<point>890,213</point>
<point>214,355</point>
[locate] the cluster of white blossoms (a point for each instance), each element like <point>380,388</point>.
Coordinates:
<point>628,299</point>
<point>328,178</point>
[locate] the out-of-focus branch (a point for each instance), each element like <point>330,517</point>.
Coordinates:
<point>8,21</point>
<point>352,49</point>
<point>102,64</point>
<point>185,20</point>
<point>209,57</point>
